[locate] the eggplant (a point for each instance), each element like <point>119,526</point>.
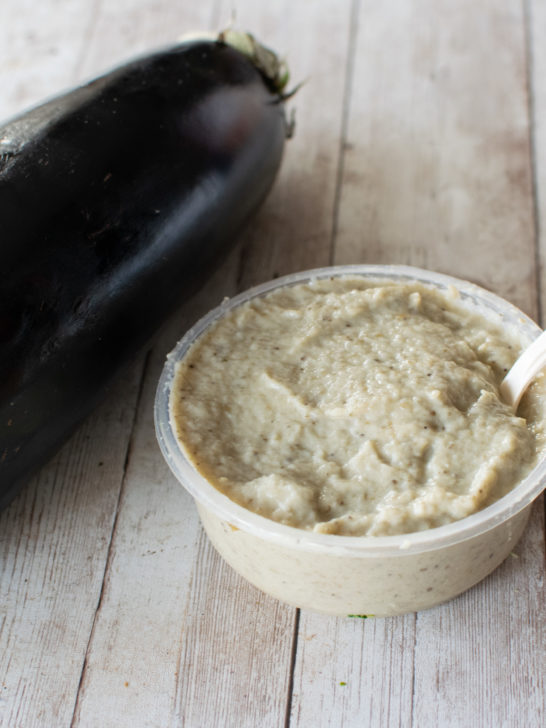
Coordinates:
<point>117,199</point>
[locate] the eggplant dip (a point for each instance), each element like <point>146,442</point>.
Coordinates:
<point>353,407</point>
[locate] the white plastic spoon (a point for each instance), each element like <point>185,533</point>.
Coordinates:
<point>523,371</point>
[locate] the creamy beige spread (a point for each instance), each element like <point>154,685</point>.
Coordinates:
<point>351,407</point>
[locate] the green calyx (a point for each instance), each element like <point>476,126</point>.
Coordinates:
<point>273,69</point>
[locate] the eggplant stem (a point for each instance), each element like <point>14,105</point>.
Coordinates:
<point>293,92</point>
<point>274,69</point>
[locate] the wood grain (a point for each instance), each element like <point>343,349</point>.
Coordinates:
<point>536,59</point>
<point>353,671</point>
<point>420,138</point>
<point>487,645</point>
<point>294,231</point>
<point>54,540</point>
<point>239,641</point>
<point>437,166</point>
<point>128,28</point>
<point>39,57</point>
<point>134,656</point>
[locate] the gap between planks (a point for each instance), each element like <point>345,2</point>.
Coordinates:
<point>107,563</point>
<point>349,78</point>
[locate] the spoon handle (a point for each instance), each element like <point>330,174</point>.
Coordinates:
<point>523,371</point>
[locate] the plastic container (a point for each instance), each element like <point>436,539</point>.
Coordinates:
<point>346,575</point>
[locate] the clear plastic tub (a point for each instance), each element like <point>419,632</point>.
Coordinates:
<point>347,575</point>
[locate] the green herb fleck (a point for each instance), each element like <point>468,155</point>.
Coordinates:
<point>343,683</point>
<point>361,616</point>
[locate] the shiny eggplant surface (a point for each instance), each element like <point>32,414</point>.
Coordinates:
<point>116,201</point>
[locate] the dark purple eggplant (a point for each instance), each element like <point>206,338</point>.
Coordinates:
<point>116,201</point>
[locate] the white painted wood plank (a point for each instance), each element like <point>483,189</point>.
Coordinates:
<point>235,663</point>
<point>47,47</point>
<point>40,49</point>
<point>128,28</point>
<point>131,666</point>
<point>353,672</point>
<point>536,25</point>
<point>54,542</point>
<point>437,163</point>
<point>488,646</point>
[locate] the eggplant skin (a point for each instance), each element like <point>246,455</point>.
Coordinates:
<point>116,201</point>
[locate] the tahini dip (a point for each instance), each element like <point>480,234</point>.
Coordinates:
<point>353,407</point>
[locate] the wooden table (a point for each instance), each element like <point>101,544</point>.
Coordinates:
<point>421,139</point>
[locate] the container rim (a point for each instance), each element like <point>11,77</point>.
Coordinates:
<point>238,517</point>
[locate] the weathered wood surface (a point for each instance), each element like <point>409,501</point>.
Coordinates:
<point>420,139</point>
